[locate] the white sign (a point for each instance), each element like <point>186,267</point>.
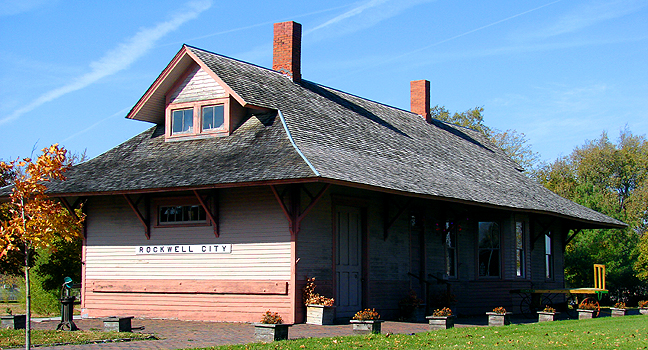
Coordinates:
<point>184,249</point>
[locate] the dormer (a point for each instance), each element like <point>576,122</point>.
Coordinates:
<point>191,101</point>
<point>198,106</point>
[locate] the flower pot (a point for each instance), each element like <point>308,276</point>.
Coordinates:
<point>643,310</point>
<point>320,314</point>
<point>547,316</point>
<point>440,322</point>
<point>367,326</point>
<point>495,319</point>
<point>264,332</point>
<point>618,312</point>
<point>585,314</point>
<point>14,321</point>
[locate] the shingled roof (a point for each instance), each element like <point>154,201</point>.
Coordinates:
<point>315,133</point>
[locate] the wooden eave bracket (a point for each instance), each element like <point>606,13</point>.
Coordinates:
<point>545,229</point>
<point>293,213</point>
<point>146,222</point>
<point>576,231</point>
<point>213,216</point>
<point>70,208</point>
<point>390,222</point>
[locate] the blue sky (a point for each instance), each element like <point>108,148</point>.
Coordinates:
<point>561,72</point>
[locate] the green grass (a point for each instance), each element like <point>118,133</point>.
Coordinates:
<point>629,332</point>
<point>10,338</point>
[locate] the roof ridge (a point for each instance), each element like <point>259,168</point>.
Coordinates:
<point>234,59</point>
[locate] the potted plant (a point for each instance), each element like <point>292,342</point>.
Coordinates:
<point>366,321</point>
<point>587,309</point>
<point>319,309</point>
<point>548,314</point>
<point>441,319</point>
<point>643,307</point>
<point>412,308</point>
<point>619,309</point>
<point>271,328</point>
<point>499,317</point>
<point>12,321</point>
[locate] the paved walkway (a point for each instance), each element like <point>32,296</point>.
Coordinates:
<point>191,334</point>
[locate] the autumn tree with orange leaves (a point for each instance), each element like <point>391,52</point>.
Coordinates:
<point>35,220</point>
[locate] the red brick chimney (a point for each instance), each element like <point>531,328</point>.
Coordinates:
<point>287,49</point>
<point>420,98</point>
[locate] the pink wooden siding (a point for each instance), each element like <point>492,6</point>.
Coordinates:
<point>198,85</point>
<point>238,286</point>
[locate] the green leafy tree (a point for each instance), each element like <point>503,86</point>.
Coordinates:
<point>611,178</point>
<point>36,221</point>
<point>513,143</point>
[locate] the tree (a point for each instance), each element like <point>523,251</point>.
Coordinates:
<point>611,178</point>
<point>36,221</point>
<point>513,143</point>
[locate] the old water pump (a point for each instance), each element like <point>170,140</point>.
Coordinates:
<point>67,307</point>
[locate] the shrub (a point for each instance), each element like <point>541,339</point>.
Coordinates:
<point>366,314</point>
<point>271,318</point>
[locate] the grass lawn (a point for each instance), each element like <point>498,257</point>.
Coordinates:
<point>10,338</point>
<point>629,332</point>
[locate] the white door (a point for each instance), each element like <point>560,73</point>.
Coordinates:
<point>348,261</point>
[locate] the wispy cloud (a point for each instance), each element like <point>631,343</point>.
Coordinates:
<point>365,15</point>
<point>118,58</point>
<point>586,15</point>
<point>410,53</point>
<point>14,7</point>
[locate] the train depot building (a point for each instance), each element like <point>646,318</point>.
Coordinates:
<point>252,179</point>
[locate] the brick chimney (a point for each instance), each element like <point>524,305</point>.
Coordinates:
<point>287,49</point>
<point>420,98</point>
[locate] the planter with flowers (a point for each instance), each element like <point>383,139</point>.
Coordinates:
<point>548,314</point>
<point>441,319</point>
<point>619,309</point>
<point>588,309</point>
<point>499,317</point>
<point>319,309</point>
<point>12,321</point>
<point>643,307</point>
<point>271,328</point>
<point>366,321</point>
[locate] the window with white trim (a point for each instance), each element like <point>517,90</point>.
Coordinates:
<point>519,249</point>
<point>549,259</point>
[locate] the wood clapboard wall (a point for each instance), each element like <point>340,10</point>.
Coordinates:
<point>198,85</point>
<point>238,286</point>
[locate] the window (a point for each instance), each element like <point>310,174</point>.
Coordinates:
<point>519,249</point>
<point>182,122</point>
<point>213,117</point>
<point>199,119</point>
<point>181,214</point>
<point>549,264</point>
<point>451,249</point>
<point>489,249</point>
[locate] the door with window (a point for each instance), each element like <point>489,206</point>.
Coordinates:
<point>348,266</point>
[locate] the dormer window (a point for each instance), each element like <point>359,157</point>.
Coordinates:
<point>198,119</point>
<point>213,117</point>
<point>182,122</point>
